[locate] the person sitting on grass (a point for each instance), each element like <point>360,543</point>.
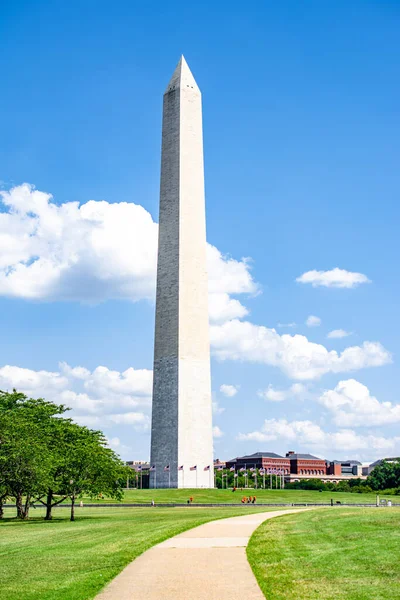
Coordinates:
<point>254,500</point>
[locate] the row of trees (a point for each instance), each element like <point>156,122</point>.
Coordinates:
<point>46,458</point>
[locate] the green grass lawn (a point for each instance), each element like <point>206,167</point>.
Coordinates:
<point>341,554</point>
<point>58,559</point>
<point>227,496</point>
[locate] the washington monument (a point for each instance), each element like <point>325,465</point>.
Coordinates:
<point>181,431</point>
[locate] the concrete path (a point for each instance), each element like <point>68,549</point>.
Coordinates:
<point>205,563</point>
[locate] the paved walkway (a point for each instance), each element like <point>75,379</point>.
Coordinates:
<point>205,563</point>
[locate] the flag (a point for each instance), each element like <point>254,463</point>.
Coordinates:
<point>193,468</point>
<point>242,470</point>
<point>166,468</point>
<point>180,468</point>
<point>232,469</point>
<point>262,471</point>
<point>236,475</point>
<point>252,470</point>
<point>207,468</point>
<point>254,474</point>
<point>153,468</point>
<point>139,468</point>
<point>220,469</point>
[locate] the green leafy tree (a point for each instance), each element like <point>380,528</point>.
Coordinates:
<point>92,467</point>
<point>25,458</point>
<point>385,475</point>
<point>60,439</point>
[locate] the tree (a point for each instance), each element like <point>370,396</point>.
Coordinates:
<point>3,494</point>
<point>385,475</point>
<point>92,468</point>
<point>60,438</point>
<point>45,457</point>
<point>25,459</point>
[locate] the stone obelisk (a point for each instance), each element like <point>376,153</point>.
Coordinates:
<point>181,431</point>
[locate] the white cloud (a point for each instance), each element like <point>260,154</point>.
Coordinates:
<point>98,398</point>
<point>274,395</point>
<point>338,278</point>
<point>30,381</point>
<point>313,321</point>
<point>288,325</point>
<point>338,333</point>
<point>222,307</point>
<point>309,434</point>
<point>294,355</point>
<point>217,433</point>
<point>216,408</point>
<point>229,390</point>
<point>96,251</point>
<point>133,382</point>
<point>352,405</point>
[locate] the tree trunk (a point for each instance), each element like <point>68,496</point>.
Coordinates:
<point>26,507</point>
<point>72,508</point>
<point>49,499</point>
<point>1,508</point>
<point>18,504</point>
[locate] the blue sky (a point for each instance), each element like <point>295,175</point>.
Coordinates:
<point>301,130</point>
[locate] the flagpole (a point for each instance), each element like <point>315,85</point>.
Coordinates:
<point>169,476</point>
<point>183,478</point>
<point>196,476</point>
<point>155,477</point>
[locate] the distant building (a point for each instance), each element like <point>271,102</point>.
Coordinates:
<point>306,464</point>
<point>295,466</point>
<point>260,460</point>
<point>138,465</point>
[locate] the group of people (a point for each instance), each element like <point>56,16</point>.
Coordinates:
<point>249,500</point>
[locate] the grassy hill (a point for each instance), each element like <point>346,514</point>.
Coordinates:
<point>336,554</point>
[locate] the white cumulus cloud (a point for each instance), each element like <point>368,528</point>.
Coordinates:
<point>217,433</point>
<point>294,355</point>
<point>229,390</point>
<point>338,278</point>
<point>338,333</point>
<point>98,398</point>
<point>352,404</point>
<point>313,321</point>
<point>274,395</point>
<point>96,251</point>
<point>308,434</point>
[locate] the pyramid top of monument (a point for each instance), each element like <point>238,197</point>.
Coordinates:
<point>182,77</point>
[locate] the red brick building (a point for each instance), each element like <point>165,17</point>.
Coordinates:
<point>297,466</point>
<point>306,464</point>
<point>261,460</point>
